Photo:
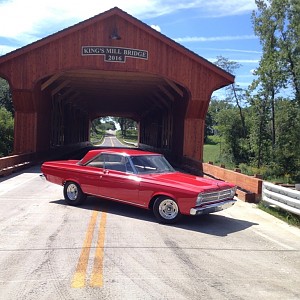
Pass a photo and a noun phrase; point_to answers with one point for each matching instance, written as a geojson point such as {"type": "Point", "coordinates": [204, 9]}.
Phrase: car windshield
{"type": "Point", "coordinates": [151, 164]}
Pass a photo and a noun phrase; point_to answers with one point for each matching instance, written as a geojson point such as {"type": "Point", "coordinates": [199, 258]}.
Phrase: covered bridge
{"type": "Point", "coordinates": [111, 65]}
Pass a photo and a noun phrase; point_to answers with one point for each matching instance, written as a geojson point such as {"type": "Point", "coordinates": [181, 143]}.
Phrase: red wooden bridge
{"type": "Point", "coordinates": [110, 65]}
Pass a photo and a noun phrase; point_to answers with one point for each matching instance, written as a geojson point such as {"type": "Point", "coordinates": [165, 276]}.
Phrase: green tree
{"type": "Point", "coordinates": [125, 125]}
{"type": "Point", "coordinates": [276, 23]}
{"type": "Point", "coordinates": [259, 131]}
{"type": "Point", "coordinates": [236, 95]}
{"type": "Point", "coordinates": [234, 144]}
{"type": "Point", "coordinates": [6, 132]}
{"type": "Point", "coordinates": [214, 108]}
{"type": "Point", "coordinates": [267, 21]}
{"type": "Point", "coordinates": [287, 154]}
{"type": "Point", "coordinates": [5, 96]}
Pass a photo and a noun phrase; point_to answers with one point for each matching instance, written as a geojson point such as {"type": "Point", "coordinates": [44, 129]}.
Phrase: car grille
{"type": "Point", "coordinates": [216, 196]}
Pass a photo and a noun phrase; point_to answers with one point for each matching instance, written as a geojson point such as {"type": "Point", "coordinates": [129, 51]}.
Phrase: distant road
{"type": "Point", "coordinates": [111, 141]}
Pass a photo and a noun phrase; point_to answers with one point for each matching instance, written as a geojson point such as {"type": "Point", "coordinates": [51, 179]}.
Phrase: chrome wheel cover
{"type": "Point", "coordinates": [72, 192]}
{"type": "Point", "coordinates": [168, 209]}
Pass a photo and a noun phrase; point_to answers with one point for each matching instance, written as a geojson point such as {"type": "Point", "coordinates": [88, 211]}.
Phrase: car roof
{"type": "Point", "coordinates": [124, 151]}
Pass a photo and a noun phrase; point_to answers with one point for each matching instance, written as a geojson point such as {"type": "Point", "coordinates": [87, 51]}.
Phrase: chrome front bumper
{"type": "Point", "coordinates": [43, 177]}
{"type": "Point", "coordinates": [211, 208]}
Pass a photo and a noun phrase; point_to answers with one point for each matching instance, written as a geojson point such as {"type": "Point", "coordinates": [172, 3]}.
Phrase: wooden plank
{"type": "Point", "coordinates": [162, 100]}
{"type": "Point", "coordinates": [50, 81]}
{"type": "Point", "coordinates": [60, 87]}
{"type": "Point", "coordinates": [174, 87]}
{"type": "Point", "coordinates": [165, 91]}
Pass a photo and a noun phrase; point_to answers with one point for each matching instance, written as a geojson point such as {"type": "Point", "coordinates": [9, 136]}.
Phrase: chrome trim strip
{"type": "Point", "coordinates": [122, 201]}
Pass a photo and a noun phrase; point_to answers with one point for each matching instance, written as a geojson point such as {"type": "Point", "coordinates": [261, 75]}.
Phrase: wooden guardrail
{"type": "Point", "coordinates": [13, 163]}
{"type": "Point", "coordinates": [249, 187]}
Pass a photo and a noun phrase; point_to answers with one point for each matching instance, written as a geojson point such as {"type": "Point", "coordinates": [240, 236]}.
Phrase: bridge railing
{"type": "Point", "coordinates": [14, 163]}
{"type": "Point", "coordinates": [283, 197]}
{"type": "Point", "coordinates": [249, 187]}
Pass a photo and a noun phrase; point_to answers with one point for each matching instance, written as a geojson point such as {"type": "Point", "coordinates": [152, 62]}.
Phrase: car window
{"type": "Point", "coordinates": [114, 162]}
{"type": "Point", "coordinates": [97, 162]}
{"type": "Point", "coordinates": [129, 168]}
{"type": "Point", "coordinates": [151, 164]}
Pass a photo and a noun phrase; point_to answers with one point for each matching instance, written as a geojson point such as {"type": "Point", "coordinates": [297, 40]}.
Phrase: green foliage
{"type": "Point", "coordinates": [125, 125]}
{"type": "Point", "coordinates": [286, 150]}
{"type": "Point", "coordinates": [131, 136]}
{"type": "Point", "coordinates": [6, 132]}
{"type": "Point", "coordinates": [230, 128]}
{"type": "Point", "coordinates": [5, 96]}
{"type": "Point", "coordinates": [276, 23]}
{"type": "Point", "coordinates": [6, 119]}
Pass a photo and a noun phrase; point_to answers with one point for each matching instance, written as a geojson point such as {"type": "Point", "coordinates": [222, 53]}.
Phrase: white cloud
{"type": "Point", "coordinates": [156, 27]}
{"type": "Point", "coordinates": [191, 39]}
{"type": "Point", "coordinates": [247, 61]}
{"type": "Point", "coordinates": [230, 50]}
{"type": "Point", "coordinates": [219, 8]}
{"type": "Point", "coordinates": [5, 49]}
{"type": "Point", "coordinates": [30, 19]}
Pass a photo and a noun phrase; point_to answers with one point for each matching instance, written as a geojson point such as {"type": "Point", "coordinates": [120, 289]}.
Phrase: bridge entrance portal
{"type": "Point", "coordinates": [111, 65]}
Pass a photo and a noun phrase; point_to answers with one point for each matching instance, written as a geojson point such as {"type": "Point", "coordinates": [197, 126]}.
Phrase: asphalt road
{"type": "Point", "coordinates": [106, 250]}
{"type": "Point", "coordinates": [112, 141]}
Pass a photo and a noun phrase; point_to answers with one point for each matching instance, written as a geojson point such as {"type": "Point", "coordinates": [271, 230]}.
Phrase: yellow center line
{"type": "Point", "coordinates": [80, 273]}
{"type": "Point", "coordinates": [97, 274]}
{"type": "Point", "coordinates": [112, 143]}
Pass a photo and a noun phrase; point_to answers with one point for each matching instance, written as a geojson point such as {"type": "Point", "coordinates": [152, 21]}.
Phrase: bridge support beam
{"type": "Point", "coordinates": [29, 122]}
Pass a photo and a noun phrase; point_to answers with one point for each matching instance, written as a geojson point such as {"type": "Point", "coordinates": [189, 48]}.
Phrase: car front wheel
{"type": "Point", "coordinates": [73, 193]}
{"type": "Point", "coordinates": [166, 210]}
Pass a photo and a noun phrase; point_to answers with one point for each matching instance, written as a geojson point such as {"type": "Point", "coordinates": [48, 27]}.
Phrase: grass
{"type": "Point", "coordinates": [281, 214]}
{"type": "Point", "coordinates": [211, 153]}
{"type": "Point", "coordinates": [96, 138]}
{"type": "Point", "coordinates": [211, 149]}
{"type": "Point", "coordinates": [131, 137]}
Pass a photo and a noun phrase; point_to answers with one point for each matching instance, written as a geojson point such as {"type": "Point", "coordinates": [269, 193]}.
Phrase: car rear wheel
{"type": "Point", "coordinates": [73, 193]}
{"type": "Point", "coordinates": [166, 210]}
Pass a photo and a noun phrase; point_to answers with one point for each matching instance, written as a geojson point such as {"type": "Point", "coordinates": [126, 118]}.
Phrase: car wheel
{"type": "Point", "coordinates": [166, 210]}
{"type": "Point", "coordinates": [73, 193]}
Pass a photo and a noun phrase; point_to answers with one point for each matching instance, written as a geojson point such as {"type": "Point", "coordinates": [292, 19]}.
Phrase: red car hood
{"type": "Point", "coordinates": [188, 181]}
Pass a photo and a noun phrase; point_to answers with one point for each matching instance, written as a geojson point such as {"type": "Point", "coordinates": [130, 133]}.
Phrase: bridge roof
{"type": "Point", "coordinates": [122, 14]}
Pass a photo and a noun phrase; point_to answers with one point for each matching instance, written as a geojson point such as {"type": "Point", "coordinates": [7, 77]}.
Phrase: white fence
{"type": "Point", "coordinates": [285, 198]}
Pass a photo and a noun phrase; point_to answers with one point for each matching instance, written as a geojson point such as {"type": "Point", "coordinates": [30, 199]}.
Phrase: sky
{"type": "Point", "coordinates": [210, 28]}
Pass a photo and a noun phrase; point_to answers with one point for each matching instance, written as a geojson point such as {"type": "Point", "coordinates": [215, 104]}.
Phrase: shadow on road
{"type": "Point", "coordinates": [212, 224]}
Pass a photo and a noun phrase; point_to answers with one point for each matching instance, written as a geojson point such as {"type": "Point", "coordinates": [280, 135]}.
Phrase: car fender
{"type": "Point", "coordinates": [160, 194]}
{"type": "Point", "coordinates": [71, 179]}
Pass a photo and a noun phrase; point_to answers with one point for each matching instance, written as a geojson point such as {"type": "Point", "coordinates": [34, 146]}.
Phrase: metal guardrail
{"type": "Point", "coordinates": [285, 198]}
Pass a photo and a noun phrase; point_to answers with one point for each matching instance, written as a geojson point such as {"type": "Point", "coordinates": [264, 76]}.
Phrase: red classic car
{"type": "Point", "coordinates": [139, 178]}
